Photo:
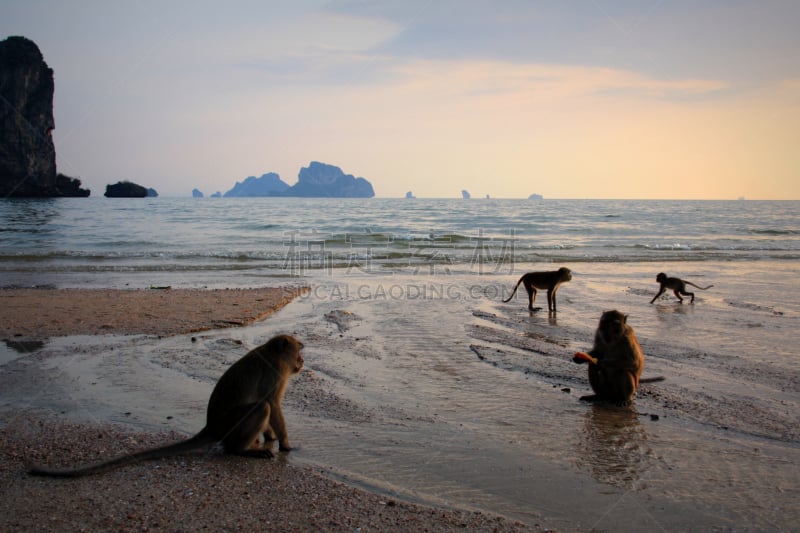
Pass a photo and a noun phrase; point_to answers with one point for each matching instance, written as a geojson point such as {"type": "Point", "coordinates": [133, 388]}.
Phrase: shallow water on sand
{"type": "Point", "coordinates": [475, 401]}
{"type": "Point", "coordinates": [429, 387]}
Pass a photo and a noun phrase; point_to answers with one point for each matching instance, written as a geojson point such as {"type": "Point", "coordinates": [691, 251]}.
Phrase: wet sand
{"type": "Point", "coordinates": [204, 490]}
{"type": "Point", "coordinates": [459, 401]}
{"type": "Point", "coordinates": [457, 394]}
{"type": "Point", "coordinates": [155, 311]}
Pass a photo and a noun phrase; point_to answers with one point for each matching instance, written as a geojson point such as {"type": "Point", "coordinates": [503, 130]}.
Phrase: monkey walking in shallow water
{"type": "Point", "coordinates": [244, 408]}
{"type": "Point", "coordinates": [549, 281]}
{"type": "Point", "coordinates": [677, 285]}
{"type": "Point", "coordinates": [615, 362]}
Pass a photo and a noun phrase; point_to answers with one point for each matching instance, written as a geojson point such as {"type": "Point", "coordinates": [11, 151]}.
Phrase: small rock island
{"type": "Point", "coordinates": [127, 189]}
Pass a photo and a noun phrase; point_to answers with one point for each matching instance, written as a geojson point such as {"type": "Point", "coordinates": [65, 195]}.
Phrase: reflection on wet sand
{"type": "Point", "coordinates": [614, 447]}
{"type": "Point", "coordinates": [24, 346]}
{"type": "Point", "coordinates": [12, 349]}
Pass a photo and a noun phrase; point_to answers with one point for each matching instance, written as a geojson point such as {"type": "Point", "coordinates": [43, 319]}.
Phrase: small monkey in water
{"type": "Point", "coordinates": [549, 281]}
{"type": "Point", "coordinates": [615, 362]}
{"type": "Point", "coordinates": [244, 406]}
{"type": "Point", "coordinates": [677, 285]}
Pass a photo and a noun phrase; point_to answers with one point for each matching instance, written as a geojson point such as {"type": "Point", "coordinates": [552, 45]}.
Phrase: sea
{"type": "Point", "coordinates": [437, 390]}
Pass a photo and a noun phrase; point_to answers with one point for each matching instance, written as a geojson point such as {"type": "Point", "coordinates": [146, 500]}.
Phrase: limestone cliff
{"type": "Point", "coordinates": [321, 180]}
{"type": "Point", "coordinates": [27, 154]}
{"type": "Point", "coordinates": [318, 180]}
{"type": "Point", "coordinates": [269, 184]}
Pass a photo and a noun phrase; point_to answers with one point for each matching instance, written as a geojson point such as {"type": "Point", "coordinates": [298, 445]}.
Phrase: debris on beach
{"type": "Point", "coordinates": [342, 319]}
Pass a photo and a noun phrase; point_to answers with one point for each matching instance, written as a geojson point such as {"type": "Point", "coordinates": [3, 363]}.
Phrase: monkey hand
{"type": "Point", "coordinates": [583, 357]}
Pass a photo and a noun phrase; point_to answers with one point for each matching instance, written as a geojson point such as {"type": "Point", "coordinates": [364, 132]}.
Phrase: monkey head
{"type": "Point", "coordinates": [564, 274]}
{"type": "Point", "coordinates": [612, 327]}
{"type": "Point", "coordinates": [287, 348]}
{"type": "Point", "coordinates": [661, 277]}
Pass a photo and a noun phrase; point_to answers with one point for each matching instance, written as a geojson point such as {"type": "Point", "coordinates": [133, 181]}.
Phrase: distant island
{"type": "Point", "coordinates": [317, 180]}
{"type": "Point", "coordinates": [465, 194]}
{"type": "Point", "coordinates": [269, 184]}
{"type": "Point", "coordinates": [535, 196]}
{"type": "Point", "coordinates": [127, 189]}
{"type": "Point", "coordinates": [410, 195]}
{"type": "Point", "coordinates": [197, 193]}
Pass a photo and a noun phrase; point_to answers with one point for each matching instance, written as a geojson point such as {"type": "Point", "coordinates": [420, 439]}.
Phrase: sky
{"type": "Point", "coordinates": [670, 99]}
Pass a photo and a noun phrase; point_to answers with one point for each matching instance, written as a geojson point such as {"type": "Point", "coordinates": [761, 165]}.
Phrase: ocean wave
{"type": "Point", "coordinates": [282, 264]}
{"type": "Point", "coordinates": [174, 234]}
{"type": "Point", "coordinates": [775, 232]}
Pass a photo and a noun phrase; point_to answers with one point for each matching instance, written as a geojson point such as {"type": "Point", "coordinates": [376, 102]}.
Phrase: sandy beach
{"type": "Point", "coordinates": [412, 413]}
{"type": "Point", "coordinates": [155, 311]}
{"type": "Point", "coordinates": [201, 491]}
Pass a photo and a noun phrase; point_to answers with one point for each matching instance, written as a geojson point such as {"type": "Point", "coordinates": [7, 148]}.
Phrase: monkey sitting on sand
{"type": "Point", "coordinates": [615, 362]}
{"type": "Point", "coordinates": [244, 406]}
{"type": "Point", "coordinates": [677, 285]}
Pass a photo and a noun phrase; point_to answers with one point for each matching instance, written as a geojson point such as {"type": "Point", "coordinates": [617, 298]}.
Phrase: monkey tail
{"type": "Point", "coordinates": [203, 438]}
{"type": "Point", "coordinates": [515, 290]}
{"type": "Point", "coordinates": [652, 380]}
{"type": "Point", "coordinates": [698, 286]}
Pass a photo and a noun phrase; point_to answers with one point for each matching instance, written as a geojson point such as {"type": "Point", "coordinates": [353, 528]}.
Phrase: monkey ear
{"type": "Point", "coordinates": [278, 343]}
{"type": "Point", "coordinates": [624, 319]}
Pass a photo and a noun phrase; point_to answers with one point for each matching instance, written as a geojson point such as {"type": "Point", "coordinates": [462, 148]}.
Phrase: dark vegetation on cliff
{"type": "Point", "coordinates": [67, 186]}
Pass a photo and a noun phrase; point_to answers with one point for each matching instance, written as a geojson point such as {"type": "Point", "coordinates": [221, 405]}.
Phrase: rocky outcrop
{"type": "Point", "coordinates": [152, 193]}
{"type": "Point", "coordinates": [196, 193]}
{"type": "Point", "coordinates": [67, 186]}
{"type": "Point", "coordinates": [319, 180]}
{"type": "Point", "coordinates": [269, 184]}
{"type": "Point", "coordinates": [27, 153]}
{"type": "Point", "coordinates": [125, 189]}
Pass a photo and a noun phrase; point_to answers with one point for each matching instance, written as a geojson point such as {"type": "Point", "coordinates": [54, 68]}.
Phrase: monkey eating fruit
{"type": "Point", "coordinates": [244, 408]}
{"type": "Point", "coordinates": [615, 362]}
{"type": "Point", "coordinates": [586, 357]}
